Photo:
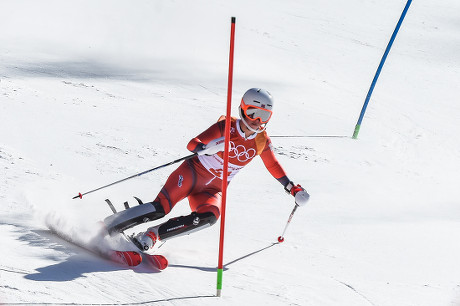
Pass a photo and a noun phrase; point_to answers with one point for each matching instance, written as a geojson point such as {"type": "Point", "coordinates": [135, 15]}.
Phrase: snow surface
{"type": "Point", "coordinates": [95, 91]}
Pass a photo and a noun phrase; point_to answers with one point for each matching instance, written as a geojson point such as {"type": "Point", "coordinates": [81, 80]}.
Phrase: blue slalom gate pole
{"type": "Point", "coordinates": [379, 69]}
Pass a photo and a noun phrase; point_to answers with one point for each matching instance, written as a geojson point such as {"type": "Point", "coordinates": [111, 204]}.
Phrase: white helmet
{"type": "Point", "coordinates": [256, 104]}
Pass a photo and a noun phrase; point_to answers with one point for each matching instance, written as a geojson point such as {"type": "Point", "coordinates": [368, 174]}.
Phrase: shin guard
{"type": "Point", "coordinates": [134, 216]}
{"type": "Point", "coordinates": [186, 224]}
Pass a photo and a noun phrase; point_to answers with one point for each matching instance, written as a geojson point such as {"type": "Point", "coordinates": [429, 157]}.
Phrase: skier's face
{"type": "Point", "coordinates": [255, 124]}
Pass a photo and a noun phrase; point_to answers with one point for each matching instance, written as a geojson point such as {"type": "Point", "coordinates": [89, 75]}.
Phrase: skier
{"type": "Point", "coordinates": [200, 178]}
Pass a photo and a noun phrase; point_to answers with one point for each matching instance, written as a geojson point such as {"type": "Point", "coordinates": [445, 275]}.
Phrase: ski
{"type": "Point", "coordinates": [125, 258]}
{"type": "Point", "coordinates": [157, 261]}
{"type": "Point", "coordinates": [129, 258]}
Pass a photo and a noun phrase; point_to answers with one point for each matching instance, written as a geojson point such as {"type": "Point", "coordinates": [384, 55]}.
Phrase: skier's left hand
{"type": "Point", "coordinates": [214, 146]}
{"type": "Point", "coordinates": [301, 196]}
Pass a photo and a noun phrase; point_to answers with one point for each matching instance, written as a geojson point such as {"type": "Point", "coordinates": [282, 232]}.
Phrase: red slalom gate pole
{"type": "Point", "coordinates": [220, 268]}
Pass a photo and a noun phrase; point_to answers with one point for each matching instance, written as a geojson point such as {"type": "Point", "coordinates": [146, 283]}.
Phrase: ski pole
{"type": "Point", "coordinates": [80, 195]}
{"type": "Point", "coordinates": [281, 238]}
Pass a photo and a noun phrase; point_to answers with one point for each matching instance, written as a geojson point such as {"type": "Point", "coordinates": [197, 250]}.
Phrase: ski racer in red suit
{"type": "Point", "coordinates": [199, 179]}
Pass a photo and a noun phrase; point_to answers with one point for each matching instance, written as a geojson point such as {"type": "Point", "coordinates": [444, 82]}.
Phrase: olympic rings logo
{"type": "Point", "coordinates": [241, 153]}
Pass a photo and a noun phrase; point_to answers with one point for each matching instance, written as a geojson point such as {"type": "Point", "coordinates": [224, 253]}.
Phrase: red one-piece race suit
{"type": "Point", "coordinates": [200, 178]}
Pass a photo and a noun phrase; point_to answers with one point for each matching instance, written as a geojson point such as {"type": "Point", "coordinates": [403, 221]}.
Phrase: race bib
{"type": "Point", "coordinates": [215, 165]}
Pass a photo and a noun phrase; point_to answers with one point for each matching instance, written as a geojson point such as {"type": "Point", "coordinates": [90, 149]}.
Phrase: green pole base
{"type": "Point", "coordinates": [220, 273]}
{"type": "Point", "coordinates": [356, 132]}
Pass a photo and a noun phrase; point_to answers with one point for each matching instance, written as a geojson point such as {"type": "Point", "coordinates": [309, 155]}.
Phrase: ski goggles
{"type": "Point", "coordinates": [255, 112]}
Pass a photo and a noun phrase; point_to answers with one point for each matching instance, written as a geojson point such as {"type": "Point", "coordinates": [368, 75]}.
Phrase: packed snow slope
{"type": "Point", "coordinates": [95, 91]}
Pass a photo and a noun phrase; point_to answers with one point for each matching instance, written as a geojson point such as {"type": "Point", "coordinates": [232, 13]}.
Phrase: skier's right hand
{"type": "Point", "coordinates": [214, 146]}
